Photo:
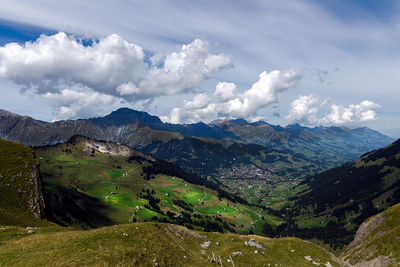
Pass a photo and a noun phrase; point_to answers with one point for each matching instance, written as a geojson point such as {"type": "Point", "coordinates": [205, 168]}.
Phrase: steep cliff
{"type": "Point", "coordinates": [21, 199]}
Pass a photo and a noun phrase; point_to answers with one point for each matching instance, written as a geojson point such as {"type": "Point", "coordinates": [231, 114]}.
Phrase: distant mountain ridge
{"type": "Point", "coordinates": [263, 133]}
{"type": "Point", "coordinates": [116, 127]}
{"type": "Point", "coordinates": [125, 116]}
{"type": "Point", "coordinates": [335, 144]}
{"type": "Point", "coordinates": [121, 125]}
{"type": "Point", "coordinates": [238, 129]}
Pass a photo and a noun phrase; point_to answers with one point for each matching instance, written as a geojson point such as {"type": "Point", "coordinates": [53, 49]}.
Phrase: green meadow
{"type": "Point", "coordinates": [120, 187]}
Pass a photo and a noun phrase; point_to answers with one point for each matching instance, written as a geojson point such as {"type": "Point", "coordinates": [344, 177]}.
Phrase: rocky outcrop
{"type": "Point", "coordinates": [35, 199]}
{"type": "Point", "coordinates": [368, 227]}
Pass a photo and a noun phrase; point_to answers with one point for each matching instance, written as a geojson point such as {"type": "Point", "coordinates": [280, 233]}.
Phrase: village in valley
{"type": "Point", "coordinates": [254, 183]}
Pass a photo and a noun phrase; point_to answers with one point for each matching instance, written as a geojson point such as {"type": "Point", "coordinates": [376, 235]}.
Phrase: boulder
{"type": "Point", "coordinates": [237, 253]}
{"type": "Point", "coordinates": [206, 245]}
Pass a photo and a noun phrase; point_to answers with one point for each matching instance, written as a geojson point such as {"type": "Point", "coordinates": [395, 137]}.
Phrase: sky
{"type": "Point", "coordinates": [333, 62]}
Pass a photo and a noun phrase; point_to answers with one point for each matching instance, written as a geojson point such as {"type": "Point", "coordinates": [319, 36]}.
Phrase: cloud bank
{"type": "Point", "coordinates": [63, 66]}
{"type": "Point", "coordinates": [228, 102]}
{"type": "Point", "coordinates": [54, 62]}
{"type": "Point", "coordinates": [82, 78]}
{"type": "Point", "coordinates": [306, 108]}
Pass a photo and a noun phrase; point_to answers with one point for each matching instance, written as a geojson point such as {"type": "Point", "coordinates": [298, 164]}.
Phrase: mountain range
{"type": "Point", "coordinates": [120, 124]}
{"type": "Point", "coordinates": [232, 152]}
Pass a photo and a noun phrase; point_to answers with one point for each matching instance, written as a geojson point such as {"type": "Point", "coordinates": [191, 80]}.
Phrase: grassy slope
{"type": "Point", "coordinates": [380, 239]}
{"type": "Point", "coordinates": [18, 172]}
{"type": "Point", "coordinates": [334, 203]}
{"type": "Point", "coordinates": [149, 243]}
{"type": "Point", "coordinates": [94, 176]}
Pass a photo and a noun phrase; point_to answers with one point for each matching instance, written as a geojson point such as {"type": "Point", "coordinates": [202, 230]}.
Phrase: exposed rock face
{"type": "Point", "coordinates": [104, 147]}
{"type": "Point", "coordinates": [35, 199]}
{"type": "Point", "coordinates": [21, 195]}
{"type": "Point", "coordinates": [363, 231]}
{"type": "Point", "coordinates": [368, 227]}
{"type": "Point", "coordinates": [376, 242]}
{"type": "Point", "coordinates": [252, 243]}
{"type": "Point", "coordinates": [205, 244]}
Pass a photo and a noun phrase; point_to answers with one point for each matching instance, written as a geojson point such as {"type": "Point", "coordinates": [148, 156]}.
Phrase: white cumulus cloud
{"type": "Point", "coordinates": [127, 89]}
{"type": "Point", "coordinates": [184, 70]}
{"type": "Point", "coordinates": [305, 110]}
{"type": "Point", "coordinates": [225, 91]}
{"type": "Point", "coordinates": [199, 101]}
{"type": "Point", "coordinates": [227, 102]}
{"type": "Point", "coordinates": [74, 104]}
{"type": "Point", "coordinates": [113, 67]}
{"type": "Point", "coordinates": [365, 111]}
{"type": "Point", "coordinates": [54, 62]}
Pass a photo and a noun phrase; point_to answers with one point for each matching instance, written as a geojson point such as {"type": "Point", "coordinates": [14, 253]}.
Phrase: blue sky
{"type": "Point", "coordinates": [332, 55]}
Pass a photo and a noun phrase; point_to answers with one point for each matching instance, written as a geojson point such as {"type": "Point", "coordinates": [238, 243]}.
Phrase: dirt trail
{"type": "Point", "coordinates": [201, 200]}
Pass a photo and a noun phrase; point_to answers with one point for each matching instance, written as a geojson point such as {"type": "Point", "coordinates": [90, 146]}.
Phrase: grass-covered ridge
{"type": "Point", "coordinates": [21, 200]}
{"type": "Point", "coordinates": [155, 244]}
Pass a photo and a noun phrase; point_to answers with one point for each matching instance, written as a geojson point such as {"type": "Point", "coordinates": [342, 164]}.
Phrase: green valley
{"type": "Point", "coordinates": [90, 184]}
